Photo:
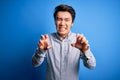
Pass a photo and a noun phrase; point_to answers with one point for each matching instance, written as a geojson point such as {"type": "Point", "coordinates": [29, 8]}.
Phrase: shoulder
{"type": "Point", "coordinates": [52, 35]}
{"type": "Point", "coordinates": [72, 35]}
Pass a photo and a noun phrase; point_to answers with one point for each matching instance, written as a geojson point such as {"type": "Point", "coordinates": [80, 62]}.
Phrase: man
{"type": "Point", "coordinates": [63, 49]}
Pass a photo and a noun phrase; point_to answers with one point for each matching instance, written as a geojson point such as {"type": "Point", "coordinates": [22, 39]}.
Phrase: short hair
{"type": "Point", "coordinates": [64, 8]}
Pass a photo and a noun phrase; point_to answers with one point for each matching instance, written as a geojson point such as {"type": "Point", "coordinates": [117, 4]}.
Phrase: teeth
{"type": "Point", "coordinates": [62, 29]}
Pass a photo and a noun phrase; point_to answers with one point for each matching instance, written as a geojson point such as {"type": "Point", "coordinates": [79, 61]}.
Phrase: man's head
{"type": "Point", "coordinates": [64, 16]}
{"type": "Point", "coordinates": [65, 8]}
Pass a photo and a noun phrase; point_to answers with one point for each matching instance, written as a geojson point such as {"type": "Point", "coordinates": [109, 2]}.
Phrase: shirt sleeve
{"type": "Point", "coordinates": [38, 57]}
{"type": "Point", "coordinates": [88, 59]}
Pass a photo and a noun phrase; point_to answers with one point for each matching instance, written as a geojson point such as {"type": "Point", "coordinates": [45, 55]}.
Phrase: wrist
{"type": "Point", "coordinates": [84, 49]}
{"type": "Point", "coordinates": [41, 50]}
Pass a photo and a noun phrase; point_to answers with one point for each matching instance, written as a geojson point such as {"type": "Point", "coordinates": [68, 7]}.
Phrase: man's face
{"type": "Point", "coordinates": [63, 23]}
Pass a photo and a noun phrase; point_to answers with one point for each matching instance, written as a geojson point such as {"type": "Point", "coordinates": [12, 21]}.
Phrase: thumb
{"type": "Point", "coordinates": [49, 46]}
{"type": "Point", "coordinates": [73, 44]}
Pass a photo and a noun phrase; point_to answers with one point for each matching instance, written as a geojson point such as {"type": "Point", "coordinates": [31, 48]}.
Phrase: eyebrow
{"type": "Point", "coordinates": [61, 18]}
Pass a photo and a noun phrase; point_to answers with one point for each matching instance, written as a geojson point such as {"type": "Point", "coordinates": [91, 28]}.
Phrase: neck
{"type": "Point", "coordinates": [62, 37]}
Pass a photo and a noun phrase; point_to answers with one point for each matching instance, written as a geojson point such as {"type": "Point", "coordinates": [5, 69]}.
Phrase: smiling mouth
{"type": "Point", "coordinates": [62, 29]}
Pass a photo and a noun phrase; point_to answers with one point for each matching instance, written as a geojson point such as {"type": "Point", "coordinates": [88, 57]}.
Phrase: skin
{"type": "Point", "coordinates": [63, 24]}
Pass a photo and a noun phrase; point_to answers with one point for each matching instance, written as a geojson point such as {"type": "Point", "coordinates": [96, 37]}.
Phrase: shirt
{"type": "Point", "coordinates": [62, 59]}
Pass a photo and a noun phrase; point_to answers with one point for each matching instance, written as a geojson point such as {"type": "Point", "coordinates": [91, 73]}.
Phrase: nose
{"type": "Point", "coordinates": [62, 23]}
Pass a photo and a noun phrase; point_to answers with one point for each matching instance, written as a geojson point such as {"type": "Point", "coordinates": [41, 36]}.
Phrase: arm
{"type": "Point", "coordinates": [38, 57]}
{"type": "Point", "coordinates": [40, 53]}
{"type": "Point", "coordinates": [86, 55]}
{"type": "Point", "coordinates": [88, 59]}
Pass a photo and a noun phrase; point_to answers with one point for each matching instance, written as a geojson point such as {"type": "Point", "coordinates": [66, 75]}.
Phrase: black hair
{"type": "Point", "coordinates": [65, 8]}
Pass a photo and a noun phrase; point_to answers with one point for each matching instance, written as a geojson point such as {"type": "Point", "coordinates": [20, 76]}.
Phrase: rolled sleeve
{"type": "Point", "coordinates": [38, 57]}
{"type": "Point", "coordinates": [88, 59]}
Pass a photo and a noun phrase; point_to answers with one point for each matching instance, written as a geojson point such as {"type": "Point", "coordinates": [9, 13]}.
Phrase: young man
{"type": "Point", "coordinates": [63, 49]}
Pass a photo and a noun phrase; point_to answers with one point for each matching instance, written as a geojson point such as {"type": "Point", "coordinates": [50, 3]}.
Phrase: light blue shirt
{"type": "Point", "coordinates": [62, 59]}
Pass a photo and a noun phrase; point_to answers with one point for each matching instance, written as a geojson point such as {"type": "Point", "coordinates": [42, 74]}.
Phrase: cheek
{"type": "Point", "coordinates": [57, 24]}
{"type": "Point", "coordinates": [69, 26]}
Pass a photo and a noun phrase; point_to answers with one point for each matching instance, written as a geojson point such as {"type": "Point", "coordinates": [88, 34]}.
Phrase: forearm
{"type": "Point", "coordinates": [88, 59]}
{"type": "Point", "coordinates": [38, 57]}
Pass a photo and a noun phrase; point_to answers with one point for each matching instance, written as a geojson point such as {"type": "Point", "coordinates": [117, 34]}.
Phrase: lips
{"type": "Point", "coordinates": [62, 29]}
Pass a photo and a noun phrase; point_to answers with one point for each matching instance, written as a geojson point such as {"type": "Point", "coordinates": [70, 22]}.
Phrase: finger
{"type": "Point", "coordinates": [46, 39]}
{"type": "Point", "coordinates": [79, 40]}
{"type": "Point", "coordinates": [73, 44]}
{"type": "Point", "coordinates": [79, 37]}
{"type": "Point", "coordinates": [41, 47]}
{"type": "Point", "coordinates": [86, 42]}
{"type": "Point", "coordinates": [46, 36]}
{"type": "Point", "coordinates": [49, 46]}
{"type": "Point", "coordinates": [83, 40]}
{"type": "Point", "coordinates": [41, 43]}
{"type": "Point", "coordinates": [42, 37]}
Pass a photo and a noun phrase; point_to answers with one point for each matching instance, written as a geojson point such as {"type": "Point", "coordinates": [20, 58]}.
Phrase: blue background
{"type": "Point", "coordinates": [23, 21]}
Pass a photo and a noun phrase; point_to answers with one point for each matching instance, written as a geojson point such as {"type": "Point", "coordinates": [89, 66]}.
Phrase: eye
{"type": "Point", "coordinates": [58, 19]}
{"type": "Point", "coordinates": [67, 20]}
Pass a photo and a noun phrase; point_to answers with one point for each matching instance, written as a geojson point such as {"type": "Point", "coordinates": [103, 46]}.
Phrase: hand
{"type": "Point", "coordinates": [43, 43]}
{"type": "Point", "coordinates": [81, 43]}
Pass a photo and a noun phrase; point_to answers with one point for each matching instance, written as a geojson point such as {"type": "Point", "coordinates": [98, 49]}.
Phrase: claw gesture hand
{"type": "Point", "coordinates": [43, 43]}
{"type": "Point", "coordinates": [81, 43]}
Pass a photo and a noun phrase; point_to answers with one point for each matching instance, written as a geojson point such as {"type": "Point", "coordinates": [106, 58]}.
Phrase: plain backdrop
{"type": "Point", "coordinates": [23, 21]}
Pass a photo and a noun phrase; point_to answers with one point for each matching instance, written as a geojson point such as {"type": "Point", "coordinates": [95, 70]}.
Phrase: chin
{"type": "Point", "coordinates": [61, 33]}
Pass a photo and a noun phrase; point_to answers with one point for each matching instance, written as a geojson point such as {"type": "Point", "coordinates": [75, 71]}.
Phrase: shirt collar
{"type": "Point", "coordinates": [67, 37]}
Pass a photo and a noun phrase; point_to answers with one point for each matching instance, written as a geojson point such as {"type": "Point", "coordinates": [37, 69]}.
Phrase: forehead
{"type": "Point", "coordinates": [62, 14]}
